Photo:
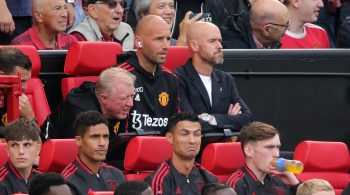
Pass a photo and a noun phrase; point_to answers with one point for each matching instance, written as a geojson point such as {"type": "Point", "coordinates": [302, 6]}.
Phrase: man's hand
{"type": "Point", "coordinates": [234, 109]}
{"type": "Point", "coordinates": [25, 109]}
{"type": "Point", "coordinates": [286, 177]}
{"type": "Point", "coordinates": [71, 15]}
{"type": "Point", "coordinates": [184, 26]}
{"type": "Point", "coordinates": [7, 25]}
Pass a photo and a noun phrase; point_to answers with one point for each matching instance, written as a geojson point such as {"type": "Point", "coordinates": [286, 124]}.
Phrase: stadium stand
{"type": "Point", "coordinates": [85, 61]}
{"type": "Point", "coordinates": [222, 159]}
{"type": "Point", "coordinates": [143, 155]}
{"type": "Point", "coordinates": [177, 56]}
{"type": "Point", "coordinates": [56, 154]}
{"type": "Point", "coordinates": [324, 160]}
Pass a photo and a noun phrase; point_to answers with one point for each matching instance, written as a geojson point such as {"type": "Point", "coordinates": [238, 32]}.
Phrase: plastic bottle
{"type": "Point", "coordinates": [292, 166]}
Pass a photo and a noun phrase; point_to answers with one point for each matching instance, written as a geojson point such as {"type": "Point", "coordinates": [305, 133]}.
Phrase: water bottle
{"type": "Point", "coordinates": [292, 166]}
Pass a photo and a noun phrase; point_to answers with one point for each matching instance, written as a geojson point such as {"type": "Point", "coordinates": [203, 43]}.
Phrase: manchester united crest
{"type": "Point", "coordinates": [163, 98]}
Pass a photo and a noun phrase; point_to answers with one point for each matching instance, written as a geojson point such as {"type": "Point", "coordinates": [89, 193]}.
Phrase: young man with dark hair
{"type": "Point", "coordinates": [133, 188]}
{"type": "Point", "coordinates": [49, 184]}
{"type": "Point", "coordinates": [14, 62]}
{"type": "Point", "coordinates": [180, 174]}
{"type": "Point", "coordinates": [217, 189]}
{"type": "Point", "coordinates": [260, 144]}
{"type": "Point", "coordinates": [23, 147]}
{"type": "Point", "coordinates": [88, 173]}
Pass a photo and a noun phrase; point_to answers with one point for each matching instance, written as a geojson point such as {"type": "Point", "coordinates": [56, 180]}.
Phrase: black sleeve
{"type": "Point", "coordinates": [1, 131]}
{"type": "Point", "coordinates": [131, 19]}
{"type": "Point", "coordinates": [346, 190]}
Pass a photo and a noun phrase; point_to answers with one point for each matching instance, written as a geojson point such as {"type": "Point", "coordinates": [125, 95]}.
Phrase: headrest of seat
{"type": "Point", "coordinates": [177, 56]}
{"type": "Point", "coordinates": [145, 153]}
{"type": "Point", "coordinates": [323, 156]}
{"type": "Point", "coordinates": [91, 58]}
{"type": "Point", "coordinates": [3, 154]}
{"type": "Point", "coordinates": [33, 55]}
{"type": "Point", "coordinates": [223, 158]}
{"type": "Point", "coordinates": [56, 154]}
{"type": "Point", "coordinates": [101, 193]}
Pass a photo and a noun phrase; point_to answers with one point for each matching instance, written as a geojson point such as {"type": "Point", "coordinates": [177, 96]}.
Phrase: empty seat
{"type": "Point", "coordinates": [143, 155]}
{"type": "Point", "coordinates": [324, 160]}
{"type": "Point", "coordinates": [86, 60]}
{"type": "Point", "coordinates": [177, 56]}
{"type": "Point", "coordinates": [3, 154]}
{"type": "Point", "coordinates": [222, 159]}
{"type": "Point", "coordinates": [56, 154]}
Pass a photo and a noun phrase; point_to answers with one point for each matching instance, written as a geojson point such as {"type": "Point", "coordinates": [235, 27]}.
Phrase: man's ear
{"type": "Point", "coordinates": [91, 9]}
{"type": "Point", "coordinates": [138, 42]}
{"type": "Point", "coordinates": [39, 148]}
{"type": "Point", "coordinates": [295, 3]}
{"type": "Point", "coordinates": [37, 16]}
{"type": "Point", "coordinates": [248, 150]}
{"type": "Point", "coordinates": [169, 137]}
{"type": "Point", "coordinates": [103, 99]}
{"type": "Point", "coordinates": [78, 141]}
{"type": "Point", "coordinates": [265, 30]}
{"type": "Point", "coordinates": [193, 45]}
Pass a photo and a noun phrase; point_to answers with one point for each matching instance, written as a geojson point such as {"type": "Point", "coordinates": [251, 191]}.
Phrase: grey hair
{"type": "Point", "coordinates": [111, 77]}
{"type": "Point", "coordinates": [141, 7]}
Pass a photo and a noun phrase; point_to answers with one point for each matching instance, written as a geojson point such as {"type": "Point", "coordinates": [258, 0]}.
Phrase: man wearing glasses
{"type": "Point", "coordinates": [180, 174]}
{"type": "Point", "coordinates": [104, 23]}
{"type": "Point", "coordinates": [261, 28]}
{"type": "Point", "coordinates": [301, 33]}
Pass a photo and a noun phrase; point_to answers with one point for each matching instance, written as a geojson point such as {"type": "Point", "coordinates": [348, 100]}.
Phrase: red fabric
{"type": "Point", "coordinates": [73, 82]}
{"type": "Point", "coordinates": [38, 100]}
{"type": "Point", "coordinates": [143, 155]}
{"type": "Point", "coordinates": [222, 159]}
{"type": "Point", "coordinates": [3, 154]}
{"type": "Point", "coordinates": [56, 154]}
{"type": "Point", "coordinates": [101, 193]}
{"type": "Point", "coordinates": [177, 56]}
{"type": "Point", "coordinates": [31, 37]}
{"type": "Point", "coordinates": [91, 58]}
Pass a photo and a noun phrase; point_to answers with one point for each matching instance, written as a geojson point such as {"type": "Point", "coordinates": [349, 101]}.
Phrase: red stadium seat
{"type": "Point", "coordinates": [56, 154]}
{"type": "Point", "coordinates": [101, 193]}
{"type": "Point", "coordinates": [324, 160]}
{"type": "Point", "coordinates": [86, 60]}
{"type": "Point", "coordinates": [222, 159]}
{"type": "Point", "coordinates": [3, 154]}
{"type": "Point", "coordinates": [177, 56]}
{"type": "Point", "coordinates": [143, 155]}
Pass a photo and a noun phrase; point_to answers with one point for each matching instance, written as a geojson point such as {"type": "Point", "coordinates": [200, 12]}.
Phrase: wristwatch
{"type": "Point", "coordinates": [205, 117]}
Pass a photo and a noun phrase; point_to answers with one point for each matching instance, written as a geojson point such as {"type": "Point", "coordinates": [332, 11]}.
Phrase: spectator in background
{"type": "Point", "coordinates": [49, 184]}
{"type": "Point", "coordinates": [133, 188]}
{"type": "Point", "coordinates": [217, 189]}
{"type": "Point", "coordinates": [166, 10]}
{"type": "Point", "coordinates": [87, 173]}
{"type": "Point", "coordinates": [180, 174]}
{"type": "Point", "coordinates": [301, 33]}
{"type": "Point", "coordinates": [205, 90]}
{"type": "Point", "coordinates": [315, 187]}
{"type": "Point", "coordinates": [104, 23]}
{"type": "Point", "coordinates": [260, 144]}
{"type": "Point", "coordinates": [49, 24]}
{"type": "Point", "coordinates": [262, 28]}
{"type": "Point", "coordinates": [156, 87]}
{"type": "Point", "coordinates": [23, 147]}
{"type": "Point", "coordinates": [343, 40]}
{"type": "Point", "coordinates": [14, 62]}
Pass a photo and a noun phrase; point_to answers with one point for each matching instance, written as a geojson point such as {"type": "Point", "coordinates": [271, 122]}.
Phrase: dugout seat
{"type": "Point", "coordinates": [222, 159]}
{"type": "Point", "coordinates": [143, 155]}
{"type": "Point", "coordinates": [101, 193]}
{"type": "Point", "coordinates": [3, 154]}
{"type": "Point", "coordinates": [177, 56]}
{"type": "Point", "coordinates": [86, 60]}
{"type": "Point", "coordinates": [324, 160]}
{"type": "Point", "coordinates": [56, 154]}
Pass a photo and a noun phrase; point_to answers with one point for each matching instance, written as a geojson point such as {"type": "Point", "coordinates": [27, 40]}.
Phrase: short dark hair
{"type": "Point", "coordinates": [211, 188]}
{"type": "Point", "coordinates": [131, 188]}
{"type": "Point", "coordinates": [257, 131]}
{"type": "Point", "coordinates": [87, 119]}
{"type": "Point", "coordinates": [22, 129]}
{"type": "Point", "coordinates": [181, 116]}
{"type": "Point", "coordinates": [10, 58]}
{"type": "Point", "coordinates": [40, 185]}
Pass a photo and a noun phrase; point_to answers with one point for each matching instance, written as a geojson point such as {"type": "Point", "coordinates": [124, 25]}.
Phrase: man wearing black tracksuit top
{"type": "Point", "coordinates": [156, 96]}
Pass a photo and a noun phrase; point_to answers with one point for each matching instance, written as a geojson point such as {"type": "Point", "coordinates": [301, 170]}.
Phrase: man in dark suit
{"type": "Point", "coordinates": [209, 92]}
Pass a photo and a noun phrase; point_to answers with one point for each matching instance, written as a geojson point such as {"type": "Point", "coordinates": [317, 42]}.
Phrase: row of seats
{"type": "Point", "coordinates": [324, 160]}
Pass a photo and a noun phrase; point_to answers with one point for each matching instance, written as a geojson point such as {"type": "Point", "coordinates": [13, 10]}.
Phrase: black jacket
{"type": "Point", "coordinates": [344, 34]}
{"type": "Point", "coordinates": [156, 97]}
{"type": "Point", "coordinates": [194, 97]}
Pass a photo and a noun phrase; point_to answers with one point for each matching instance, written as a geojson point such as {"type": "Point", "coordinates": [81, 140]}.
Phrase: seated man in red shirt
{"type": "Point", "coordinates": [87, 173]}
{"type": "Point", "coordinates": [49, 24]}
{"type": "Point", "coordinates": [23, 147]}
